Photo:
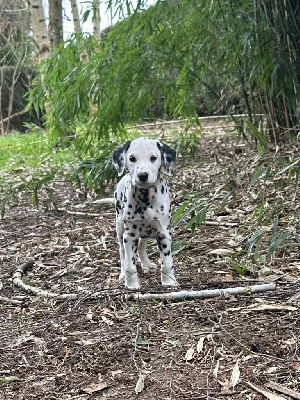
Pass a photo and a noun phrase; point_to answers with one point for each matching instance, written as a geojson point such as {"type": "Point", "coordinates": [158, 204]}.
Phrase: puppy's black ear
{"type": "Point", "coordinates": [119, 157]}
{"type": "Point", "coordinates": [168, 156]}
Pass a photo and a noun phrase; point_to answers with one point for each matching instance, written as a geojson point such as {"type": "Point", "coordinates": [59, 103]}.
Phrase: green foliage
{"type": "Point", "coordinates": [98, 172]}
{"type": "Point", "coordinates": [29, 163]}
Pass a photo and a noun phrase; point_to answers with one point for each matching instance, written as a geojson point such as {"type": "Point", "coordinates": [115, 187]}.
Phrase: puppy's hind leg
{"type": "Point", "coordinates": [120, 233]}
{"type": "Point", "coordinates": [146, 264]}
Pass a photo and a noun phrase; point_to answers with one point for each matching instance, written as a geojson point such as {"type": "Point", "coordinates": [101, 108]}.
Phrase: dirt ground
{"type": "Point", "coordinates": [243, 347]}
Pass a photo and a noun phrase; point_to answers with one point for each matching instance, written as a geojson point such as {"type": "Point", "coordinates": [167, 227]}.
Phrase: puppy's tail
{"type": "Point", "coordinates": [108, 200]}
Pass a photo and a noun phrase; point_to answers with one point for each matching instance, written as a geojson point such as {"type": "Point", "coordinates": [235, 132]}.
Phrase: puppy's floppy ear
{"type": "Point", "coordinates": [168, 156]}
{"type": "Point", "coordinates": [119, 157]}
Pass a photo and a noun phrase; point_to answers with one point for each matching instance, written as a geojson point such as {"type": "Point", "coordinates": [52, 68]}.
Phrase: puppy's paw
{"type": "Point", "coordinates": [148, 267]}
{"type": "Point", "coordinates": [169, 280]}
{"type": "Point", "coordinates": [132, 282]}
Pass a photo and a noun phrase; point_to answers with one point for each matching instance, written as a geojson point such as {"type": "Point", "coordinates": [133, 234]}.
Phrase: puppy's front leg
{"type": "Point", "coordinates": [130, 246]}
{"type": "Point", "coordinates": [164, 241]}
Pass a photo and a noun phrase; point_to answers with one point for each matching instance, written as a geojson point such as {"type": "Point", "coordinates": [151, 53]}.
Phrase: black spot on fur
{"type": "Point", "coordinates": [162, 189]}
{"type": "Point", "coordinates": [165, 246]}
{"type": "Point", "coordinates": [144, 195]}
{"type": "Point", "coordinates": [134, 226]}
{"type": "Point", "coordinates": [132, 234]}
{"type": "Point", "coordinates": [130, 205]}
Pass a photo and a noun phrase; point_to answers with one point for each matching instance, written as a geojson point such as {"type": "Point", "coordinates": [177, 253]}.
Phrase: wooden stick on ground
{"type": "Point", "coordinates": [283, 389]}
{"type": "Point", "coordinates": [204, 294]}
{"type": "Point", "coordinates": [183, 294]}
{"type": "Point", "coordinates": [7, 300]}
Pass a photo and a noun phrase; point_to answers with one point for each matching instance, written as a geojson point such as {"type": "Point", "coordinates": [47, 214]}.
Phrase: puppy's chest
{"type": "Point", "coordinates": [146, 205]}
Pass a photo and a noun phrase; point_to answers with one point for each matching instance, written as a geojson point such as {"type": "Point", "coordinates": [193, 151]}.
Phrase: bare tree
{"type": "Point", "coordinates": [55, 29]}
{"type": "Point", "coordinates": [15, 61]}
{"type": "Point", "coordinates": [96, 19]}
{"type": "Point", "coordinates": [39, 29]}
{"type": "Point", "coordinates": [75, 13]}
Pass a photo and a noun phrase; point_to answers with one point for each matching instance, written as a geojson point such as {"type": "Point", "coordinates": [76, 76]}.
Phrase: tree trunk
{"type": "Point", "coordinates": [55, 23]}
{"type": "Point", "coordinates": [75, 13]}
{"type": "Point", "coordinates": [39, 30]}
{"type": "Point", "coordinates": [96, 19]}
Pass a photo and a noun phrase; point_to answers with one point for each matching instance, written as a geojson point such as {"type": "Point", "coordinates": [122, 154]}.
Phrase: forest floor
{"type": "Point", "coordinates": [242, 347]}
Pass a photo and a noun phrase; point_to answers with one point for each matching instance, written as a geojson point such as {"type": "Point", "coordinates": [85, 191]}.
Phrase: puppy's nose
{"type": "Point", "coordinates": [143, 177]}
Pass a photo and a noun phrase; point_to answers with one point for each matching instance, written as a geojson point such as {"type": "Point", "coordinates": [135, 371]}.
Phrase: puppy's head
{"type": "Point", "coordinates": [143, 157]}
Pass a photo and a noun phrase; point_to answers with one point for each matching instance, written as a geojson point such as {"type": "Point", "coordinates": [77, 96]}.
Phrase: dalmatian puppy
{"type": "Point", "coordinates": [143, 208]}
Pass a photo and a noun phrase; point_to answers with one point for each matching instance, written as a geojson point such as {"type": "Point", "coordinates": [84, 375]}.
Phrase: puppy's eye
{"type": "Point", "coordinates": [153, 158]}
{"type": "Point", "coordinates": [132, 159]}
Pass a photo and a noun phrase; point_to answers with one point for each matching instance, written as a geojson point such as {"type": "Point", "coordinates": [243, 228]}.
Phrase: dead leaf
{"type": "Point", "coordinates": [216, 370]}
{"type": "Point", "coordinates": [235, 375]}
{"type": "Point", "coordinates": [226, 278]}
{"type": "Point", "coordinates": [115, 373]}
{"type": "Point", "coordinates": [264, 307]}
{"type": "Point", "coordinates": [107, 320]}
{"type": "Point", "coordinates": [200, 344]}
{"type": "Point", "coordinates": [174, 342]}
{"type": "Point", "coordinates": [89, 315]}
{"type": "Point", "coordinates": [271, 370]}
{"type": "Point", "coordinates": [95, 387]}
{"type": "Point", "coordinates": [296, 366]}
{"type": "Point", "coordinates": [222, 252]}
{"type": "Point", "coordinates": [272, 307]}
{"type": "Point", "coordinates": [139, 387]}
{"type": "Point", "coordinates": [189, 354]}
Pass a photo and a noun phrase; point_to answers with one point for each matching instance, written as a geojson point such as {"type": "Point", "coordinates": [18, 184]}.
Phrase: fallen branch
{"type": "Point", "coordinates": [204, 294]}
{"type": "Point", "coordinates": [79, 213]}
{"type": "Point", "coordinates": [220, 223]}
{"type": "Point", "coordinates": [269, 395]}
{"type": "Point", "coordinates": [284, 390]}
{"type": "Point", "coordinates": [295, 297]}
{"type": "Point", "coordinates": [7, 300]}
{"type": "Point", "coordinates": [17, 280]}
